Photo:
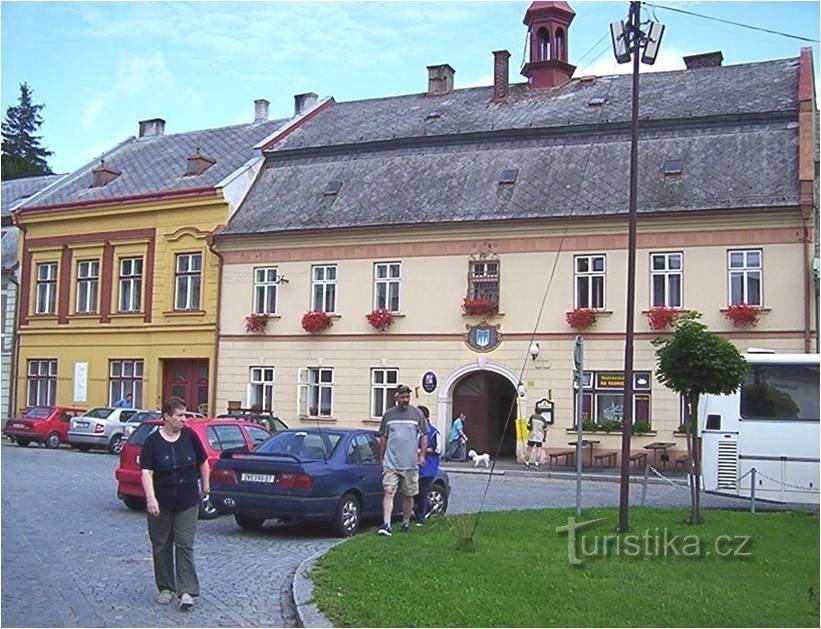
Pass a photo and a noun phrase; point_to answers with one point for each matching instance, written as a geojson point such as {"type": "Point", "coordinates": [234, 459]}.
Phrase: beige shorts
{"type": "Point", "coordinates": [407, 480]}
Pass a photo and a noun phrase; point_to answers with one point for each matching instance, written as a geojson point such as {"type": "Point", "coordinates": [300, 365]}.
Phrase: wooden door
{"type": "Point", "coordinates": [187, 379]}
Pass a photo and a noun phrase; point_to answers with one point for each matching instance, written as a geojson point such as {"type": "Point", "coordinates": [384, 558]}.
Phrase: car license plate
{"type": "Point", "coordinates": [82, 424]}
{"type": "Point", "coordinates": [258, 478]}
{"type": "Point", "coordinates": [18, 425]}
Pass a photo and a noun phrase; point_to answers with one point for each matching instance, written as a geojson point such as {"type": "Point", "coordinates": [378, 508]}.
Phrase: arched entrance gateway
{"type": "Point", "coordinates": [485, 394]}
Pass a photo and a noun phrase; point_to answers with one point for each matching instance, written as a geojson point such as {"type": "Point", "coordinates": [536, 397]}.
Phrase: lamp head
{"type": "Point", "coordinates": [534, 350]}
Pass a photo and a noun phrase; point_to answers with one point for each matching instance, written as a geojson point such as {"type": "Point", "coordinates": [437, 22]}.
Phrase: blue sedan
{"type": "Point", "coordinates": [313, 474]}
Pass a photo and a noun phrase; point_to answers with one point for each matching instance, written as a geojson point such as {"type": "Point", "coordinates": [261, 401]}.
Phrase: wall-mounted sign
{"type": "Point", "coordinates": [544, 407]}
{"type": "Point", "coordinates": [80, 382]}
{"type": "Point", "coordinates": [612, 380]}
{"type": "Point", "coordinates": [429, 382]}
{"type": "Point", "coordinates": [483, 337]}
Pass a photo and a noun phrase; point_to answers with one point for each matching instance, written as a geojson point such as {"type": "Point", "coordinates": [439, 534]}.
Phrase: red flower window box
{"type": "Point", "coordinates": [255, 322]}
{"type": "Point", "coordinates": [742, 314]}
{"type": "Point", "coordinates": [380, 318]}
{"type": "Point", "coordinates": [481, 306]}
{"type": "Point", "coordinates": [581, 318]}
{"type": "Point", "coordinates": [661, 317]}
{"type": "Point", "coordinates": [314, 321]}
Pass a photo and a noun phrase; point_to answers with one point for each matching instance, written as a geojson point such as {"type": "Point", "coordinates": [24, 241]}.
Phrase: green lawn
{"type": "Point", "coordinates": [517, 573]}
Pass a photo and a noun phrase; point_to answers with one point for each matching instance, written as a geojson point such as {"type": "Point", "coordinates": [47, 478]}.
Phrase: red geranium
{"type": "Point", "coordinates": [743, 314]}
{"type": "Point", "coordinates": [481, 306]}
{"type": "Point", "coordinates": [661, 317]}
{"type": "Point", "coordinates": [380, 318]}
{"type": "Point", "coordinates": [255, 322]}
{"type": "Point", "coordinates": [581, 318]}
{"type": "Point", "coordinates": [315, 321]}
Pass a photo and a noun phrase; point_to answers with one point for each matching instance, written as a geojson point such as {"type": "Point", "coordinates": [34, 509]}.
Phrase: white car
{"type": "Point", "coordinates": [132, 424]}
{"type": "Point", "coordinates": [101, 427]}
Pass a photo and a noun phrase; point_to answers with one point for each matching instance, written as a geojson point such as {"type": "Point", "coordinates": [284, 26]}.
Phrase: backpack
{"type": "Point", "coordinates": [437, 446]}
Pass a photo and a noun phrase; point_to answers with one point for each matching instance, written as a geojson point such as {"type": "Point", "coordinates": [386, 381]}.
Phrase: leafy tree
{"type": "Point", "coordinates": [22, 154]}
{"type": "Point", "coordinates": [694, 361]}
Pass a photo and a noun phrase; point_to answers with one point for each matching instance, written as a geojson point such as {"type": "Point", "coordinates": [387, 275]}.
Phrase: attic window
{"type": "Point", "coordinates": [673, 166]}
{"type": "Point", "coordinates": [333, 187]}
{"type": "Point", "coordinates": [597, 101]}
{"type": "Point", "coordinates": [103, 175]}
{"type": "Point", "coordinates": [198, 164]}
{"type": "Point", "coordinates": [509, 175]}
{"type": "Point", "coordinates": [436, 113]}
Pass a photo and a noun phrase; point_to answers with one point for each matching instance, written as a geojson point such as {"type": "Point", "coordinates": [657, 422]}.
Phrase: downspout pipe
{"type": "Point", "coordinates": [212, 393]}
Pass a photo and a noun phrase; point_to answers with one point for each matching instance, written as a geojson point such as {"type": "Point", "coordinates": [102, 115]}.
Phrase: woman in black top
{"type": "Point", "coordinates": [175, 479]}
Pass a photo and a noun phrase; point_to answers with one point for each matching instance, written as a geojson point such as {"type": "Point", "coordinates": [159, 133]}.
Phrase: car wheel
{"type": "Point", "coordinates": [348, 515]}
{"type": "Point", "coordinates": [207, 510]}
{"type": "Point", "coordinates": [134, 503]}
{"type": "Point", "coordinates": [116, 444]}
{"type": "Point", "coordinates": [438, 500]}
{"type": "Point", "coordinates": [23, 443]}
{"type": "Point", "coordinates": [248, 523]}
{"type": "Point", "coordinates": [52, 441]}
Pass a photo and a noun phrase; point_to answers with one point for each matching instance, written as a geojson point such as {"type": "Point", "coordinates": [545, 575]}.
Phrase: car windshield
{"type": "Point", "coordinates": [313, 445]}
{"type": "Point", "coordinates": [100, 413]}
{"type": "Point", "coordinates": [141, 434]}
{"type": "Point", "coordinates": [38, 412]}
{"type": "Point", "coordinates": [144, 416]}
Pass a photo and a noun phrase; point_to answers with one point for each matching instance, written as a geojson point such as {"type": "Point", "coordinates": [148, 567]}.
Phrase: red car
{"type": "Point", "coordinates": [216, 435]}
{"type": "Point", "coordinates": [46, 424]}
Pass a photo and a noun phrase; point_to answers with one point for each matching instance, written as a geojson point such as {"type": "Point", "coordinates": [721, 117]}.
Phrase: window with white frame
{"type": "Point", "coordinates": [46, 302]}
{"type": "Point", "coordinates": [124, 377]}
{"type": "Point", "coordinates": [131, 284]}
{"type": "Point", "coordinates": [187, 280]}
{"type": "Point", "coordinates": [266, 280]}
{"type": "Point", "coordinates": [383, 386]}
{"type": "Point", "coordinates": [589, 284]}
{"type": "Point", "coordinates": [41, 382]}
{"type": "Point", "coordinates": [483, 280]}
{"type": "Point", "coordinates": [387, 279]}
{"type": "Point", "coordinates": [316, 392]}
{"type": "Point", "coordinates": [745, 275]}
{"type": "Point", "coordinates": [88, 277]}
{"type": "Point", "coordinates": [324, 288]}
{"type": "Point", "coordinates": [261, 388]}
{"type": "Point", "coordinates": [665, 279]}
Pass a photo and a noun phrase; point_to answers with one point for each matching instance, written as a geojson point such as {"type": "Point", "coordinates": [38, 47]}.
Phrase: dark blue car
{"type": "Point", "coordinates": [312, 474]}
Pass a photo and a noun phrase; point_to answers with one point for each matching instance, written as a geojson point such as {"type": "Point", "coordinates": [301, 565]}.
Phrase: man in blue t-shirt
{"type": "Point", "coordinates": [457, 440]}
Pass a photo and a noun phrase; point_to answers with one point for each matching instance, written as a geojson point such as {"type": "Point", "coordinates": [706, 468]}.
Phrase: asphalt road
{"type": "Point", "coordinates": [73, 555]}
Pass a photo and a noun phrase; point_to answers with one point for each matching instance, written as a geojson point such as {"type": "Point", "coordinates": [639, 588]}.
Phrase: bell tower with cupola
{"type": "Point", "coordinates": [547, 25]}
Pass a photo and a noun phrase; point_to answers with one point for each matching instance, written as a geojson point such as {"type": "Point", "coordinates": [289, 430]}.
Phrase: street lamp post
{"type": "Point", "coordinates": [629, 42]}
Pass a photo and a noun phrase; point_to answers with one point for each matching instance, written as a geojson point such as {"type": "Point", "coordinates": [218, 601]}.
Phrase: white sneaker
{"type": "Point", "coordinates": [186, 601]}
{"type": "Point", "coordinates": [165, 597]}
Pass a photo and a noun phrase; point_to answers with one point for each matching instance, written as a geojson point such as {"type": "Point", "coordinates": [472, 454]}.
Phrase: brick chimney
{"type": "Point", "coordinates": [501, 87]}
{"type": "Point", "coordinates": [547, 31]}
{"type": "Point", "coordinates": [440, 79]}
{"type": "Point", "coordinates": [155, 126]}
{"type": "Point", "coordinates": [303, 102]}
{"type": "Point", "coordinates": [704, 60]}
{"type": "Point", "coordinates": [261, 110]}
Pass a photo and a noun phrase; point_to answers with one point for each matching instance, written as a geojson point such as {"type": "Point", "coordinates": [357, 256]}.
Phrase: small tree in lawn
{"type": "Point", "coordinates": [694, 361]}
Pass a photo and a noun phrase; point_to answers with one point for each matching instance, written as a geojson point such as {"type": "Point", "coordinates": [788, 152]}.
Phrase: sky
{"type": "Point", "coordinates": [100, 67]}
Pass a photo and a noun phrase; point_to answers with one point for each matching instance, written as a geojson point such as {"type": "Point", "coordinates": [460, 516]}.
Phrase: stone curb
{"type": "Point", "coordinates": [307, 613]}
{"type": "Point", "coordinates": [605, 478]}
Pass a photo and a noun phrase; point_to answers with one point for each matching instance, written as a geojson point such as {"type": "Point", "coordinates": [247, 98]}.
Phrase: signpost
{"type": "Point", "coordinates": [578, 377]}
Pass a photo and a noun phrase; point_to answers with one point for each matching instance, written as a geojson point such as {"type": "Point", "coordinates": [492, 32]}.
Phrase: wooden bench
{"type": "Point", "coordinates": [684, 461]}
{"type": "Point", "coordinates": [608, 457]}
{"type": "Point", "coordinates": [639, 459]}
{"type": "Point", "coordinates": [567, 455]}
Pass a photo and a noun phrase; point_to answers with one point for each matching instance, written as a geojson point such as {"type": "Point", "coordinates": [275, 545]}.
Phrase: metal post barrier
{"type": "Point", "coordinates": [644, 484]}
{"type": "Point", "coordinates": [752, 490]}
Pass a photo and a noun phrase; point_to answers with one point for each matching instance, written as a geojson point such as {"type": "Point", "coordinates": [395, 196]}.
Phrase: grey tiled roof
{"type": "Point", "coordinates": [733, 127]}
{"type": "Point", "coordinates": [158, 163]}
{"type": "Point", "coordinates": [15, 191]}
{"type": "Point", "coordinates": [9, 243]}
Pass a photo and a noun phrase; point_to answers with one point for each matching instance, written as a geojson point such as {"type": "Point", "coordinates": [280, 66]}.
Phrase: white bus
{"type": "Point", "coordinates": [770, 424]}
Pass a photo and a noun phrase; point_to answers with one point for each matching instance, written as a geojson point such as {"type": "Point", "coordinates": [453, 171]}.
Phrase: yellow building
{"type": "Point", "coordinates": [119, 286]}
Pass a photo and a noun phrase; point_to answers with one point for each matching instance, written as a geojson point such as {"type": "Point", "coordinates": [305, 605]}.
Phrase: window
{"type": "Point", "coordinates": [88, 275]}
{"type": "Point", "coordinates": [509, 175]}
{"type": "Point", "coordinates": [673, 167]}
{"type": "Point", "coordinates": [225, 437]}
{"type": "Point", "coordinates": [483, 280]}
{"type": "Point", "coordinates": [257, 435]}
{"type": "Point", "coordinates": [745, 269]}
{"type": "Point", "coordinates": [665, 279]}
{"type": "Point", "coordinates": [265, 290]}
{"type": "Point", "coordinates": [46, 288]}
{"type": "Point", "coordinates": [261, 388]}
{"type": "Point", "coordinates": [387, 279]}
{"type": "Point", "coordinates": [187, 281]}
{"type": "Point", "coordinates": [383, 386]}
{"type": "Point", "coordinates": [590, 281]}
{"type": "Point", "coordinates": [780, 392]}
{"type": "Point", "coordinates": [124, 377]}
{"type": "Point", "coordinates": [603, 397]}
{"type": "Point", "coordinates": [131, 284]}
{"type": "Point", "coordinates": [363, 450]}
{"type": "Point", "coordinates": [41, 382]}
{"type": "Point", "coordinates": [316, 392]}
{"type": "Point", "coordinates": [324, 288]}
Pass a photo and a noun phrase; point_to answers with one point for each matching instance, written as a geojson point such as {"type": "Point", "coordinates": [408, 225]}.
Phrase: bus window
{"type": "Point", "coordinates": [773, 391]}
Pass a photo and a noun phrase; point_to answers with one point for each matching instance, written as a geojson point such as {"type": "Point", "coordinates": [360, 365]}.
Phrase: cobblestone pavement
{"type": "Point", "coordinates": [73, 555]}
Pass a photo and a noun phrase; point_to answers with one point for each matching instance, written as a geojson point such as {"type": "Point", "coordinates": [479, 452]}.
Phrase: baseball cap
{"type": "Point", "coordinates": [402, 388]}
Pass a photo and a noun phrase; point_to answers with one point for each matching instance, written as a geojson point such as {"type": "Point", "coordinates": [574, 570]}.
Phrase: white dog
{"type": "Point", "coordinates": [479, 458]}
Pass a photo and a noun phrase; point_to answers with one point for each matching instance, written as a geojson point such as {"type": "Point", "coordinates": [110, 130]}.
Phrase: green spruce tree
{"type": "Point", "coordinates": [22, 154]}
